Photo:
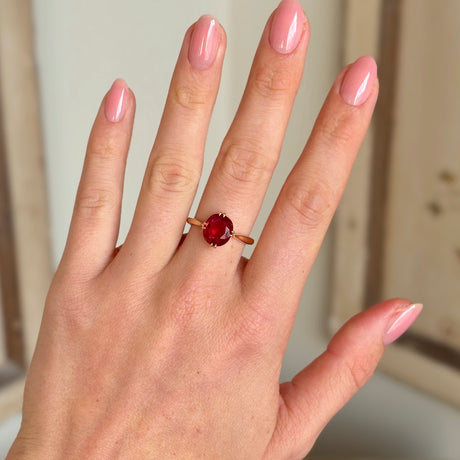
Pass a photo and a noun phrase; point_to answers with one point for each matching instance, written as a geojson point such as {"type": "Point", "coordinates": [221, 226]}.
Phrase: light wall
{"type": "Point", "coordinates": [82, 46]}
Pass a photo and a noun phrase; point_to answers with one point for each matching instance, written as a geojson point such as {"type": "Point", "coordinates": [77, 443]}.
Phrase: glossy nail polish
{"type": "Point", "coordinates": [204, 43]}
{"type": "Point", "coordinates": [401, 320]}
{"type": "Point", "coordinates": [357, 82]}
{"type": "Point", "coordinates": [116, 101]}
{"type": "Point", "coordinates": [287, 26]}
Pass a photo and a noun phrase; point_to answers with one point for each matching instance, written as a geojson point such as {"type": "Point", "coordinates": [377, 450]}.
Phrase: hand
{"type": "Point", "coordinates": [169, 350]}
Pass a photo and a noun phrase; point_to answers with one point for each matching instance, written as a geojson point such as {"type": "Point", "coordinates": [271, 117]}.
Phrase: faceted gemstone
{"type": "Point", "coordinates": [218, 229]}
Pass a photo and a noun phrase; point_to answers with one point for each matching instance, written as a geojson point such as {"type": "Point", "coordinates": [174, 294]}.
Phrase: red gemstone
{"type": "Point", "coordinates": [218, 230]}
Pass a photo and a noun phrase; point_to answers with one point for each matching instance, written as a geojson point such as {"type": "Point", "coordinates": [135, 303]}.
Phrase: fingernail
{"type": "Point", "coordinates": [204, 43]}
{"type": "Point", "coordinates": [401, 320]}
{"type": "Point", "coordinates": [116, 101]}
{"type": "Point", "coordinates": [357, 82]}
{"type": "Point", "coordinates": [287, 26]}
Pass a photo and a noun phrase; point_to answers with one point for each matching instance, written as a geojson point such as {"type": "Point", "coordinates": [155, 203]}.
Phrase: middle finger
{"type": "Point", "coordinates": [250, 151]}
{"type": "Point", "coordinates": [174, 166]}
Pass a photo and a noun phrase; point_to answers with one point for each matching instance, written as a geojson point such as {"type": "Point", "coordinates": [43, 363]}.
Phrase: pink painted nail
{"type": "Point", "coordinates": [287, 26]}
{"type": "Point", "coordinates": [204, 43]}
{"type": "Point", "coordinates": [116, 103]}
{"type": "Point", "coordinates": [401, 321]}
{"type": "Point", "coordinates": [357, 82]}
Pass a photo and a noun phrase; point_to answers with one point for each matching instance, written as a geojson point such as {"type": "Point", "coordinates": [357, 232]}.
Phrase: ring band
{"type": "Point", "coordinates": [218, 230]}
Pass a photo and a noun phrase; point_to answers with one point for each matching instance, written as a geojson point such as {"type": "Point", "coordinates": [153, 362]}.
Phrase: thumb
{"type": "Point", "coordinates": [319, 391]}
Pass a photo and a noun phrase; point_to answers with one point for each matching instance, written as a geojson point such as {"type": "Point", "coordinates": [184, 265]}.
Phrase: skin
{"type": "Point", "coordinates": [169, 350]}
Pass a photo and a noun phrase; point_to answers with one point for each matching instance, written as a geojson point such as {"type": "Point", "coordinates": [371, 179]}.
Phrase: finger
{"type": "Point", "coordinates": [299, 220]}
{"type": "Point", "coordinates": [251, 148]}
{"type": "Point", "coordinates": [174, 167]}
{"type": "Point", "coordinates": [96, 217]}
{"type": "Point", "coordinates": [318, 392]}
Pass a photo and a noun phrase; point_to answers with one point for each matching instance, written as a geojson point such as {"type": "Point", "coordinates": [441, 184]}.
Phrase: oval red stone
{"type": "Point", "coordinates": [218, 230]}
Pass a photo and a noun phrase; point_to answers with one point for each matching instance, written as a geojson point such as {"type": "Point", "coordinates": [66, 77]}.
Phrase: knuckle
{"type": "Point", "coordinates": [185, 310]}
{"type": "Point", "coordinates": [95, 202]}
{"type": "Point", "coordinates": [336, 131]}
{"type": "Point", "coordinates": [170, 175]}
{"type": "Point", "coordinates": [360, 372]}
{"type": "Point", "coordinates": [245, 163]}
{"type": "Point", "coordinates": [312, 204]}
{"type": "Point", "coordinates": [359, 369]}
{"type": "Point", "coordinates": [255, 325]}
{"type": "Point", "coordinates": [271, 83]}
{"type": "Point", "coordinates": [189, 98]}
{"type": "Point", "coordinates": [69, 307]}
{"type": "Point", "coordinates": [105, 150]}
{"type": "Point", "coordinates": [255, 330]}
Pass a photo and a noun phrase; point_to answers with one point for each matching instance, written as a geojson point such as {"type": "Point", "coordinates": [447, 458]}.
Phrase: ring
{"type": "Point", "coordinates": [218, 230]}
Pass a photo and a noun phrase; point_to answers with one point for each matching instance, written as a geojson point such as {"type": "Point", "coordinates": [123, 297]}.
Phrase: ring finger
{"type": "Point", "coordinates": [250, 151]}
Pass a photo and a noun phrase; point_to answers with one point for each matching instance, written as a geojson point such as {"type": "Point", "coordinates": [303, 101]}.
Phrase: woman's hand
{"type": "Point", "coordinates": [169, 350]}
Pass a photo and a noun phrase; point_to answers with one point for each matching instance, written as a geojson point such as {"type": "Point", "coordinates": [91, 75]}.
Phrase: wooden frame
{"type": "Point", "coordinates": [362, 216]}
{"type": "Point", "coordinates": [25, 265]}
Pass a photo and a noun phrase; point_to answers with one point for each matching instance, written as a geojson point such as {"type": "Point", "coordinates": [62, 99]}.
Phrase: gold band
{"type": "Point", "coordinates": [196, 222]}
{"type": "Point", "coordinates": [242, 238]}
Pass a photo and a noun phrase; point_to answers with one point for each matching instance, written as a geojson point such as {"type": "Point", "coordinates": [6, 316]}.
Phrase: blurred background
{"type": "Point", "coordinates": [399, 220]}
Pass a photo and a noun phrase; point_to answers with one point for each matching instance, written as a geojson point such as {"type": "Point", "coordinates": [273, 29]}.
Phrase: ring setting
{"type": "Point", "coordinates": [218, 230]}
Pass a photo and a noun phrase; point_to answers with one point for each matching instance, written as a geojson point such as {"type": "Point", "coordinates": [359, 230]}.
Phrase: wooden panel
{"type": "Point", "coordinates": [351, 220]}
{"type": "Point", "coordinates": [401, 238]}
{"type": "Point", "coordinates": [11, 398]}
{"type": "Point", "coordinates": [384, 119]}
{"type": "Point", "coordinates": [3, 356]}
{"type": "Point", "coordinates": [423, 224]}
{"type": "Point", "coordinates": [24, 246]}
{"type": "Point", "coordinates": [24, 157]}
{"type": "Point", "coordinates": [11, 317]}
{"type": "Point", "coordinates": [355, 458]}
